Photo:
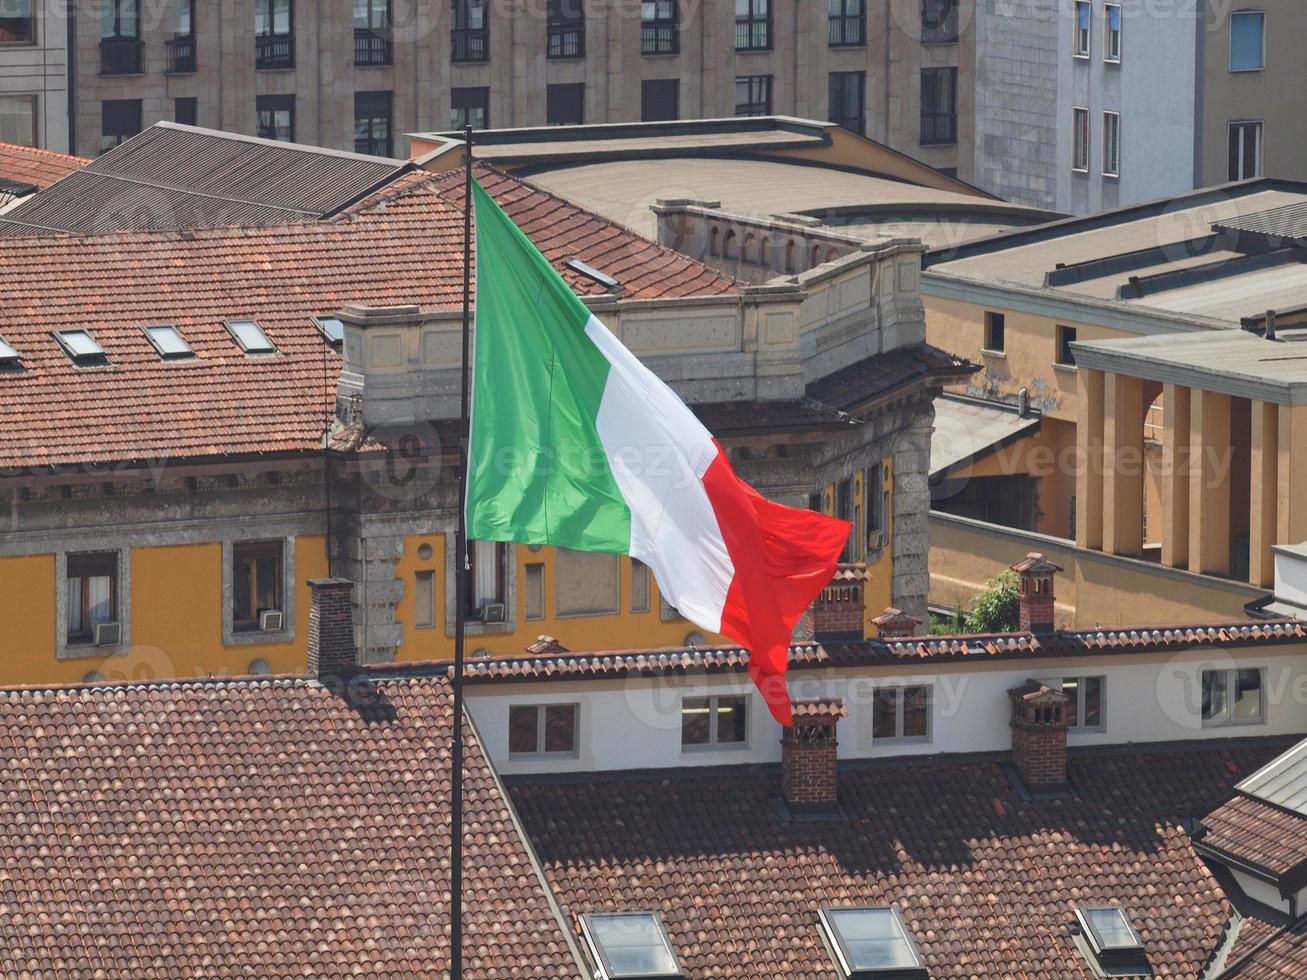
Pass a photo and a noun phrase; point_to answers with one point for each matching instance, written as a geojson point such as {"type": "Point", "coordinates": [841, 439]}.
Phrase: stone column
{"type": "Point", "coordinates": [1291, 502]}
{"type": "Point", "coordinates": [1123, 475]}
{"type": "Point", "coordinates": [1089, 446]}
{"type": "Point", "coordinates": [1175, 475]}
{"type": "Point", "coordinates": [910, 530]}
{"type": "Point", "coordinates": [1209, 483]}
{"type": "Point", "coordinates": [1263, 493]}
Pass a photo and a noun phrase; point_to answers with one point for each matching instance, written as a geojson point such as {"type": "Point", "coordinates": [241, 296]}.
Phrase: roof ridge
{"type": "Point", "coordinates": [42, 151]}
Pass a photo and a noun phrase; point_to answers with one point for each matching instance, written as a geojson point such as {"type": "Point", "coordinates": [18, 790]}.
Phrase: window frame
{"type": "Point", "coordinates": [714, 706]}
{"type": "Point", "coordinates": [1230, 681]}
{"type": "Point", "coordinates": [86, 636]}
{"type": "Point", "coordinates": [272, 105]}
{"type": "Point", "coordinates": [843, 958]}
{"type": "Point", "coordinates": [32, 21]}
{"type": "Point", "coordinates": [1080, 149]}
{"type": "Point", "coordinates": [193, 110]}
{"type": "Point", "coordinates": [331, 342]}
{"type": "Point", "coordinates": [425, 578]}
{"type": "Point", "coordinates": [97, 358]}
{"type": "Point", "coordinates": [942, 30]}
{"type": "Point", "coordinates": [1082, 37]}
{"type": "Point", "coordinates": [1079, 728]}
{"type": "Point", "coordinates": [1112, 38]}
{"type": "Point", "coordinates": [473, 612]}
{"type": "Point", "coordinates": [930, 119]}
{"type": "Point", "coordinates": [876, 517]}
{"type": "Point", "coordinates": [664, 84]}
{"type": "Point", "coordinates": [660, 35]}
{"type": "Point", "coordinates": [120, 105]}
{"type": "Point", "coordinates": [167, 355]}
{"type": "Point", "coordinates": [542, 710]}
{"type": "Point", "coordinates": [601, 955]}
{"type": "Point", "coordinates": [1259, 127]}
{"type": "Point", "coordinates": [256, 549]}
{"type": "Point", "coordinates": [1247, 12]}
{"type": "Point", "coordinates": [1111, 143]}
{"type": "Point", "coordinates": [33, 115]}
{"type": "Point", "coordinates": [483, 92]}
{"type": "Point", "coordinates": [10, 356]}
{"type": "Point", "coordinates": [747, 26]}
{"type": "Point", "coordinates": [1111, 957]}
{"type": "Point", "coordinates": [995, 326]}
{"type": "Point", "coordinates": [1064, 337]}
{"type": "Point", "coordinates": [844, 115]}
{"type": "Point", "coordinates": [251, 352]}
{"type": "Point", "coordinates": [562, 27]}
{"type": "Point", "coordinates": [372, 106]}
{"type": "Point", "coordinates": [900, 697]}
{"type": "Point", "coordinates": [469, 45]}
{"type": "Point", "coordinates": [845, 29]}
{"type": "Point", "coordinates": [560, 95]}
{"type": "Point", "coordinates": [751, 104]}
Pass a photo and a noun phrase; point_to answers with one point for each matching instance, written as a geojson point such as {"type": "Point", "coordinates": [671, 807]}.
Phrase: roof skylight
{"type": "Point", "coordinates": [871, 942]}
{"type": "Point", "coordinates": [8, 355]}
{"type": "Point", "coordinates": [332, 329]}
{"type": "Point", "coordinates": [1111, 937]}
{"type": "Point", "coordinates": [250, 336]}
{"type": "Point", "coordinates": [590, 272]}
{"type": "Point", "coordinates": [630, 944]}
{"type": "Point", "coordinates": [169, 342]}
{"type": "Point", "coordinates": [80, 346]}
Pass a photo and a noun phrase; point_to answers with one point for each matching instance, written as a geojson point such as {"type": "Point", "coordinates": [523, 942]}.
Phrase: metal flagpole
{"type": "Point", "coordinates": [460, 594]}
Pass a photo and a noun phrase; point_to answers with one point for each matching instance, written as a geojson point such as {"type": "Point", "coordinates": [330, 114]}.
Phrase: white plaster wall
{"type": "Point", "coordinates": [635, 723]}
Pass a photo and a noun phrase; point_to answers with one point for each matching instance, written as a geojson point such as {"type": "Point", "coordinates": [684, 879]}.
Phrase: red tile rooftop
{"type": "Point", "coordinates": [39, 168]}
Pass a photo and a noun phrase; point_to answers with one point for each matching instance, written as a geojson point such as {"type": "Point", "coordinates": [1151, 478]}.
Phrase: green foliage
{"type": "Point", "coordinates": [997, 608]}
{"type": "Point", "coordinates": [948, 624]}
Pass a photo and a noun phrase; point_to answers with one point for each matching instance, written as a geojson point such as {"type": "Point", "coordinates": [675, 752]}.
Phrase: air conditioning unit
{"type": "Point", "coordinates": [494, 612]}
{"type": "Point", "coordinates": [108, 634]}
{"type": "Point", "coordinates": [875, 540]}
{"type": "Point", "coordinates": [271, 620]}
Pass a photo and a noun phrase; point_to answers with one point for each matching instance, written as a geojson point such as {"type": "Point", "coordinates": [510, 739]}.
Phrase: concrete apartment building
{"type": "Point", "coordinates": [34, 74]}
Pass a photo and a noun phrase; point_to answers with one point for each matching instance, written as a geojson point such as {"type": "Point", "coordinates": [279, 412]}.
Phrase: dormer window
{"type": "Point", "coordinates": [9, 357]}
{"type": "Point", "coordinates": [332, 330]}
{"type": "Point", "coordinates": [81, 347]}
{"type": "Point", "coordinates": [871, 944]}
{"type": "Point", "coordinates": [169, 342]}
{"type": "Point", "coordinates": [630, 944]}
{"type": "Point", "coordinates": [251, 337]}
{"type": "Point", "coordinates": [1111, 938]}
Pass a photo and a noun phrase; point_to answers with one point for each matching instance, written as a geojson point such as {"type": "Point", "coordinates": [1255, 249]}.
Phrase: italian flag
{"type": "Point", "coordinates": [575, 443]}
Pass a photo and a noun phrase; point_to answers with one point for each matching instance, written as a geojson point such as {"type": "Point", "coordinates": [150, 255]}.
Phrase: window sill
{"type": "Point", "coordinates": [1080, 171]}
{"type": "Point", "coordinates": [905, 740]}
{"type": "Point", "coordinates": [541, 756]}
{"type": "Point", "coordinates": [1107, 176]}
{"type": "Point", "coordinates": [249, 638]}
{"type": "Point", "coordinates": [1112, 61]}
{"type": "Point", "coordinates": [728, 747]}
{"type": "Point", "coordinates": [1059, 366]}
{"type": "Point", "coordinates": [18, 44]}
{"type": "Point", "coordinates": [85, 651]}
{"type": "Point", "coordinates": [998, 354]}
{"type": "Point", "coordinates": [1246, 71]}
{"type": "Point", "coordinates": [952, 142]}
{"type": "Point", "coordinates": [940, 43]}
{"type": "Point", "coordinates": [1207, 725]}
{"type": "Point", "coordinates": [1081, 57]}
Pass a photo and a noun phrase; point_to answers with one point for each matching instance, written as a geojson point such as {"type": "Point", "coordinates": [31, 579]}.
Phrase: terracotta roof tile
{"type": "Point", "coordinates": [987, 882]}
{"type": "Point", "coordinates": [39, 168]}
{"type": "Point", "coordinates": [1255, 832]}
{"type": "Point", "coordinates": [266, 828]}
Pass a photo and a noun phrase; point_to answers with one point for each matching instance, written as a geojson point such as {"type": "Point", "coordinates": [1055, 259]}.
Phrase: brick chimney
{"type": "Point", "coordinates": [1039, 725]}
{"type": "Point", "coordinates": [838, 612]}
{"type": "Point", "coordinates": [332, 651]}
{"type": "Point", "coordinates": [808, 777]}
{"type": "Point", "coordinates": [895, 624]}
{"type": "Point", "coordinates": [1037, 598]}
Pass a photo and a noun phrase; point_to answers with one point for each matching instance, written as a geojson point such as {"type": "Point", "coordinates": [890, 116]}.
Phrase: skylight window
{"type": "Point", "coordinates": [81, 346]}
{"type": "Point", "coordinates": [332, 329]}
{"type": "Point", "coordinates": [1111, 938]}
{"type": "Point", "coordinates": [590, 272]}
{"type": "Point", "coordinates": [169, 342]}
{"type": "Point", "coordinates": [871, 943]}
{"type": "Point", "coordinates": [9, 357]}
{"type": "Point", "coordinates": [630, 944]}
{"type": "Point", "coordinates": [251, 337]}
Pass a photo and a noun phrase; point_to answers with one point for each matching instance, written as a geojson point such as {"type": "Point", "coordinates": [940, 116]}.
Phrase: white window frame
{"type": "Point", "coordinates": [1058, 684]}
{"type": "Point", "coordinates": [1112, 52]}
{"type": "Point", "coordinates": [1081, 43]}
{"type": "Point", "coordinates": [1078, 113]}
{"type": "Point", "coordinates": [1230, 52]}
{"type": "Point", "coordinates": [898, 738]}
{"type": "Point", "coordinates": [33, 100]}
{"type": "Point", "coordinates": [1260, 124]}
{"type": "Point", "coordinates": [712, 745]}
{"type": "Point", "coordinates": [541, 752]}
{"type": "Point", "coordinates": [1111, 143]}
{"type": "Point", "coordinates": [1226, 721]}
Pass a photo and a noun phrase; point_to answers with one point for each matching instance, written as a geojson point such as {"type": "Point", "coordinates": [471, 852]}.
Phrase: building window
{"type": "Point", "coordinates": [471, 33]}
{"type": "Point", "coordinates": [1245, 150]}
{"type": "Point", "coordinates": [533, 598]}
{"type": "Point", "coordinates": [939, 21]}
{"type": "Point", "coordinates": [847, 102]}
{"type": "Point", "coordinates": [939, 105]}
{"type": "Point", "coordinates": [1116, 946]}
{"type": "Point", "coordinates": [424, 600]}
{"type": "Point", "coordinates": [848, 23]}
{"type": "Point", "coordinates": [901, 714]}
{"type": "Point", "coordinates": [871, 942]}
{"type": "Point", "coordinates": [92, 594]}
{"type": "Point", "coordinates": [1248, 40]}
{"type": "Point", "coordinates": [639, 586]}
{"type": "Point", "coordinates": [276, 117]}
{"type": "Point", "coordinates": [565, 29]}
{"type": "Point", "coordinates": [1112, 33]}
{"type": "Point", "coordinates": [372, 123]}
{"type": "Point", "coordinates": [718, 720]}
{"type": "Point", "coordinates": [1233, 697]}
{"type": "Point", "coordinates": [485, 580]}
{"type": "Point", "coordinates": [753, 95]}
{"type": "Point", "coordinates": [373, 41]}
{"type": "Point", "coordinates": [469, 107]}
{"type": "Point", "coordinates": [257, 580]}
{"type": "Point", "coordinates": [542, 729]}
{"type": "Point", "coordinates": [659, 99]}
{"type": "Point", "coordinates": [659, 27]}
{"type": "Point", "coordinates": [1066, 336]}
{"type": "Point", "coordinates": [120, 37]}
{"type": "Point", "coordinates": [18, 119]}
{"type": "Point", "coordinates": [17, 22]}
{"type": "Point", "coordinates": [120, 120]}
{"type": "Point", "coordinates": [1111, 144]}
{"type": "Point", "coordinates": [995, 324]}
{"type": "Point", "coordinates": [1080, 140]}
{"type": "Point", "coordinates": [186, 111]}
{"type": "Point", "coordinates": [875, 489]}
{"type": "Point", "coordinates": [846, 509]}
{"type": "Point", "coordinates": [752, 25]}
{"type": "Point", "coordinates": [630, 946]}
{"type": "Point", "coordinates": [1085, 702]}
{"type": "Point", "coordinates": [274, 34]}
{"type": "Point", "coordinates": [181, 47]}
{"type": "Point", "coordinates": [1080, 37]}
{"type": "Point", "coordinates": [565, 104]}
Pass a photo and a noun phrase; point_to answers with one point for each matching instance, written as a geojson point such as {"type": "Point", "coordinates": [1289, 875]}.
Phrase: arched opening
{"type": "Point", "coordinates": [750, 252]}
{"type": "Point", "coordinates": [714, 241]}
{"type": "Point", "coordinates": [789, 256]}
{"type": "Point", "coordinates": [731, 245]}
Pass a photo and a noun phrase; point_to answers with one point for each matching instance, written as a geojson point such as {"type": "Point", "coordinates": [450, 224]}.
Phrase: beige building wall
{"type": "Point", "coordinates": [34, 78]}
{"type": "Point", "coordinates": [518, 72]}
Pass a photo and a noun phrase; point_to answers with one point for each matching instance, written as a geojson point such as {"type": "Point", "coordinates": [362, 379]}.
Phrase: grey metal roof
{"type": "Point", "coordinates": [967, 430]}
{"type": "Point", "coordinates": [173, 176]}
{"type": "Point", "coordinates": [1282, 781]}
{"type": "Point", "coordinates": [1287, 222]}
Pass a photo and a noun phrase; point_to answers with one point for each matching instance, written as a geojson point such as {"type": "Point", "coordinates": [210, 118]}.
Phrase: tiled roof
{"type": "Point", "coordinates": [1281, 956]}
{"type": "Point", "coordinates": [986, 881]}
{"type": "Point", "coordinates": [1255, 832]}
{"type": "Point", "coordinates": [257, 827]}
{"type": "Point", "coordinates": [866, 380]}
{"type": "Point", "coordinates": [403, 246]}
{"type": "Point", "coordinates": [819, 708]}
{"type": "Point", "coordinates": [942, 649]}
{"type": "Point", "coordinates": [39, 168]}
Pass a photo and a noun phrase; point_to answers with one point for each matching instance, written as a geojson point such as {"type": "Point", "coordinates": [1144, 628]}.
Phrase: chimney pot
{"type": "Point", "coordinates": [808, 755]}
{"type": "Point", "coordinates": [332, 650]}
{"type": "Point", "coordinates": [1036, 598]}
{"type": "Point", "coordinates": [1040, 716]}
{"type": "Point", "coordinates": [895, 624]}
{"type": "Point", "coordinates": [838, 611]}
